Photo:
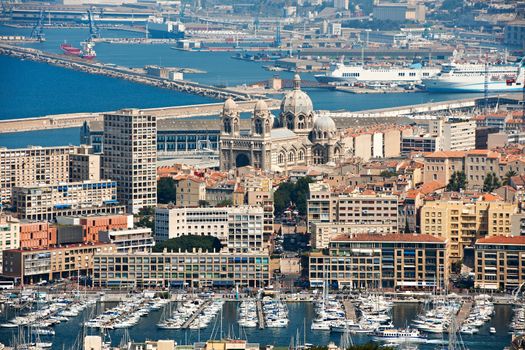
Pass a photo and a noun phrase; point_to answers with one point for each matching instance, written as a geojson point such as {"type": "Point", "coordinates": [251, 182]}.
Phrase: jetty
{"type": "Point", "coordinates": [350, 313]}
{"type": "Point", "coordinates": [74, 120]}
{"type": "Point", "coordinates": [260, 315]}
{"type": "Point", "coordinates": [463, 312]}
{"type": "Point", "coordinates": [114, 71]}
{"type": "Point", "coordinates": [195, 314]}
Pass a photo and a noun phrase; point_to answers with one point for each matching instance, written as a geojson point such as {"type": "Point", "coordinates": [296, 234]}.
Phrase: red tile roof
{"type": "Point", "coordinates": [519, 240]}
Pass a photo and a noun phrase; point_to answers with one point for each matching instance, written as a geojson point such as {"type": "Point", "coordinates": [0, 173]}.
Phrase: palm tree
{"type": "Point", "coordinates": [508, 175]}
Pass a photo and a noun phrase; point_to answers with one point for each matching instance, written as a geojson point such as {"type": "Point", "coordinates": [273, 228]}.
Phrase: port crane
{"type": "Point", "coordinates": [38, 29]}
{"type": "Point", "coordinates": [93, 29]}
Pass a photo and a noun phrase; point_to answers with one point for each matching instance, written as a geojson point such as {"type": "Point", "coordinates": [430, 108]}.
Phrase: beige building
{"type": "Point", "coordinates": [130, 157]}
{"type": "Point", "coordinates": [9, 233]}
{"type": "Point", "coordinates": [84, 165]}
{"type": "Point", "coordinates": [45, 202]}
{"type": "Point", "coordinates": [33, 165]}
{"type": "Point", "coordinates": [439, 166]}
{"type": "Point", "coordinates": [31, 266]}
{"type": "Point", "coordinates": [379, 262]}
{"type": "Point", "coordinates": [500, 263]}
{"type": "Point", "coordinates": [181, 269]}
{"type": "Point", "coordinates": [352, 208]}
{"type": "Point", "coordinates": [190, 191]}
{"type": "Point", "coordinates": [462, 223]}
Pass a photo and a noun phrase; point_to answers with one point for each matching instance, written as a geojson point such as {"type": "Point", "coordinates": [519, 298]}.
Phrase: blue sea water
{"type": "Point", "coordinates": [300, 315]}
{"type": "Point", "coordinates": [30, 89]}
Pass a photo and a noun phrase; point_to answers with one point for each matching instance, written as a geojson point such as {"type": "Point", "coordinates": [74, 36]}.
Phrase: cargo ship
{"type": "Point", "coordinates": [88, 51]}
{"type": "Point", "coordinates": [70, 50]}
{"type": "Point", "coordinates": [473, 77]}
{"type": "Point", "coordinates": [160, 29]}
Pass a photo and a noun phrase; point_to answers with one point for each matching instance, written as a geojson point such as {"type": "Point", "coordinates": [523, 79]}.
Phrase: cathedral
{"type": "Point", "coordinates": [297, 138]}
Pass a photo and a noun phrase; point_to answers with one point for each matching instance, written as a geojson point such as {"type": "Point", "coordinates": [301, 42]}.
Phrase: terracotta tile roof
{"type": "Point", "coordinates": [445, 154]}
{"type": "Point", "coordinates": [389, 237]}
{"type": "Point", "coordinates": [502, 240]}
{"type": "Point", "coordinates": [489, 197]}
{"type": "Point", "coordinates": [430, 187]}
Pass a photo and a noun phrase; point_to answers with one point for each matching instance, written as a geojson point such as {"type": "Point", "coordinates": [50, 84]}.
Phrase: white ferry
{"type": "Point", "coordinates": [342, 74]}
{"type": "Point", "coordinates": [400, 335]}
{"type": "Point", "coordinates": [471, 77]}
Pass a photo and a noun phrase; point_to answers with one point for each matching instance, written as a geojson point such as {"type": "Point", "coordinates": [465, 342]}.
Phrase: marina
{"type": "Point", "coordinates": [195, 318]}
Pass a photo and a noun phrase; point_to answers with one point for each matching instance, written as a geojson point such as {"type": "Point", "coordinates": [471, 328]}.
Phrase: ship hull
{"type": "Point", "coordinates": [463, 87]}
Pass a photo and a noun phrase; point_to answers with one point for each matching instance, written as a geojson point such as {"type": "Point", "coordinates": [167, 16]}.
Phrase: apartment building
{"type": "Point", "coordinates": [32, 165]}
{"type": "Point", "coordinates": [439, 166]}
{"type": "Point", "coordinates": [37, 235]}
{"type": "Point", "coordinates": [384, 261]}
{"type": "Point", "coordinates": [45, 202]}
{"type": "Point", "coordinates": [263, 199]}
{"type": "Point", "coordinates": [454, 134]}
{"type": "Point", "coordinates": [84, 165]}
{"type": "Point", "coordinates": [130, 157]}
{"type": "Point", "coordinates": [462, 223]}
{"type": "Point", "coordinates": [9, 233]}
{"type": "Point", "coordinates": [129, 239]}
{"type": "Point", "coordinates": [367, 208]}
{"type": "Point", "coordinates": [240, 229]}
{"type": "Point", "coordinates": [181, 269]}
{"type": "Point", "coordinates": [190, 191]}
{"type": "Point", "coordinates": [321, 233]}
{"type": "Point", "coordinates": [92, 225]}
{"type": "Point", "coordinates": [34, 265]}
{"type": "Point", "coordinates": [500, 263]}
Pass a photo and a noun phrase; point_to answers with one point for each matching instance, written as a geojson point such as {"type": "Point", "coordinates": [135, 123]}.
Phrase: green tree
{"type": "Point", "coordinates": [491, 182]}
{"type": "Point", "coordinates": [292, 193]}
{"type": "Point", "coordinates": [187, 243]}
{"type": "Point", "coordinates": [458, 181]}
{"type": "Point", "coordinates": [225, 203]}
{"type": "Point", "coordinates": [508, 175]}
{"type": "Point", "coordinates": [146, 218]}
{"type": "Point", "coordinates": [388, 173]}
{"type": "Point", "coordinates": [166, 191]}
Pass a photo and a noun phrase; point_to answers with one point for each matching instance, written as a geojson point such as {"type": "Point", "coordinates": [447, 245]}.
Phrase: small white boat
{"type": "Point", "coordinates": [492, 330]}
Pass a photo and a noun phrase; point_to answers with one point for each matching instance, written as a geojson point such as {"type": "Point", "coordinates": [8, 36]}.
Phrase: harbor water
{"type": "Point", "coordinates": [300, 315]}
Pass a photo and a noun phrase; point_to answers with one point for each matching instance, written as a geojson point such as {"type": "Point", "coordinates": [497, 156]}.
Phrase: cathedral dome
{"type": "Point", "coordinates": [260, 107]}
{"type": "Point", "coordinates": [297, 101]}
{"type": "Point", "coordinates": [324, 123]}
{"type": "Point", "coordinates": [229, 106]}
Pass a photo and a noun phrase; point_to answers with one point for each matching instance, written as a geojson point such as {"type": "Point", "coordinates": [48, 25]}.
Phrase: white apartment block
{"type": "Point", "coordinates": [138, 239]}
{"type": "Point", "coordinates": [454, 134]}
{"type": "Point", "coordinates": [130, 157]}
{"type": "Point", "coordinates": [240, 229]}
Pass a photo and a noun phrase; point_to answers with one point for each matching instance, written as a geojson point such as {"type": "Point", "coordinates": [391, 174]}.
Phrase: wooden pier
{"type": "Point", "coordinates": [260, 315]}
{"type": "Point", "coordinates": [350, 311]}
{"type": "Point", "coordinates": [195, 314]}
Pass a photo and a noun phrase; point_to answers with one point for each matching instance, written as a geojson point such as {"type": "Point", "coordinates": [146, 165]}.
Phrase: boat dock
{"type": "Point", "coordinates": [350, 310]}
{"type": "Point", "coordinates": [463, 312]}
{"type": "Point", "coordinates": [195, 314]}
{"type": "Point", "coordinates": [260, 315]}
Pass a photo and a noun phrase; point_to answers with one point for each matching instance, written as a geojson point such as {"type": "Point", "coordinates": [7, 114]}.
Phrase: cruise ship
{"type": "Point", "coordinates": [471, 77]}
{"type": "Point", "coordinates": [342, 74]}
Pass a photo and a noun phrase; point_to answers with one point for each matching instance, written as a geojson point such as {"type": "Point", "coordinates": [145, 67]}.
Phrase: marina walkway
{"type": "Point", "coordinates": [463, 312]}
{"type": "Point", "coordinates": [350, 311]}
{"type": "Point", "coordinates": [195, 314]}
{"type": "Point", "coordinates": [260, 315]}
